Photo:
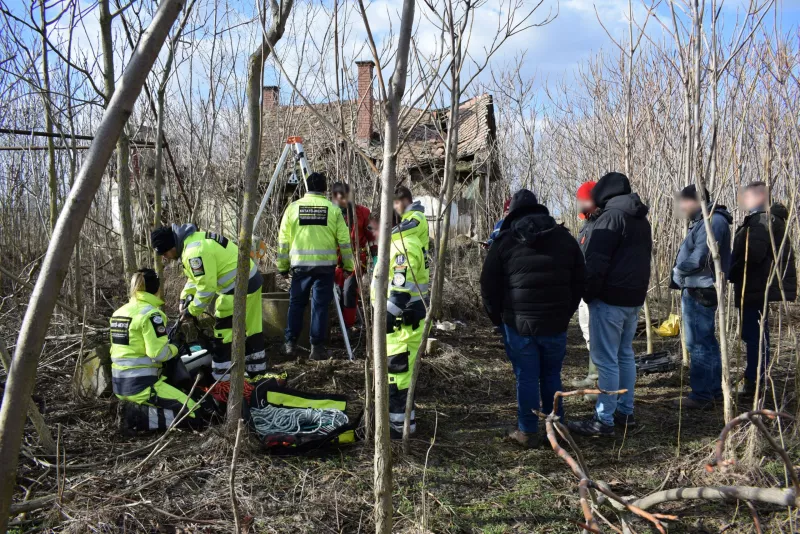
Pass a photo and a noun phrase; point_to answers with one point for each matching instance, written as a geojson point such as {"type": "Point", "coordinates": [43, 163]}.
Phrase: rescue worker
{"type": "Point", "coordinates": [405, 318]}
{"type": "Point", "coordinates": [209, 263]}
{"type": "Point", "coordinates": [139, 348]}
{"type": "Point", "coordinates": [412, 219]}
{"type": "Point", "coordinates": [311, 236]}
{"type": "Point", "coordinates": [356, 217]}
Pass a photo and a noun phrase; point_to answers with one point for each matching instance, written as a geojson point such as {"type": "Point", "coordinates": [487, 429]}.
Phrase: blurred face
{"type": "Point", "coordinates": [401, 205]}
{"type": "Point", "coordinates": [375, 227]}
{"type": "Point", "coordinates": [170, 255]}
{"type": "Point", "coordinates": [753, 198]}
{"type": "Point", "coordinates": [340, 199]}
{"type": "Point", "coordinates": [688, 207]}
{"type": "Point", "coordinates": [586, 206]}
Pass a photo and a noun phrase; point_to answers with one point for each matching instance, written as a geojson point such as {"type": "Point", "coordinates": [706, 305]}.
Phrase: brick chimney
{"type": "Point", "coordinates": [365, 101]}
{"type": "Point", "coordinates": [272, 96]}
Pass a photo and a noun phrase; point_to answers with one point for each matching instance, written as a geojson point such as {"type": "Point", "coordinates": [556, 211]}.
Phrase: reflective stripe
{"type": "Point", "coordinates": [313, 251]}
{"type": "Point", "coordinates": [146, 309]}
{"type": "Point", "coordinates": [130, 362]}
{"type": "Point", "coordinates": [312, 263]}
{"type": "Point", "coordinates": [164, 354]}
{"type": "Point", "coordinates": [228, 287]}
{"type": "Point", "coordinates": [193, 244]}
{"type": "Point", "coordinates": [205, 294]}
{"type": "Point", "coordinates": [283, 246]}
{"type": "Point", "coordinates": [169, 417]}
{"type": "Point", "coordinates": [222, 366]}
{"type": "Point", "coordinates": [133, 373]}
{"type": "Point", "coordinates": [400, 417]}
{"type": "Point", "coordinates": [200, 304]}
{"type": "Point", "coordinates": [189, 285]}
{"type": "Point", "coordinates": [253, 271]}
{"type": "Point", "coordinates": [283, 256]}
{"type": "Point", "coordinates": [226, 278]}
{"type": "Point", "coordinates": [345, 245]}
{"type": "Point", "coordinates": [393, 308]}
{"type": "Point", "coordinates": [152, 414]}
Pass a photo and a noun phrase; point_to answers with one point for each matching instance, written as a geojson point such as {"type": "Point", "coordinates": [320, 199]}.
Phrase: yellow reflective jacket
{"type": "Point", "coordinates": [312, 231]}
{"type": "Point", "coordinates": [209, 263]}
{"type": "Point", "coordinates": [408, 276]}
{"type": "Point", "coordinates": [413, 223]}
{"type": "Point", "coordinates": [139, 344]}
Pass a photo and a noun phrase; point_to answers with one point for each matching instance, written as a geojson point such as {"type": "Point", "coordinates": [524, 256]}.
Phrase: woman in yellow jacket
{"type": "Point", "coordinates": [139, 348]}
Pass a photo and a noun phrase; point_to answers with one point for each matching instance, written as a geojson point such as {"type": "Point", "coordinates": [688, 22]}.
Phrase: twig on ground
{"type": "Point", "coordinates": [232, 480]}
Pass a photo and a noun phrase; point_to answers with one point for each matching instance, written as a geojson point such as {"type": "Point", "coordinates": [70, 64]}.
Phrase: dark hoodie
{"type": "Point", "coordinates": [618, 245]}
{"type": "Point", "coordinates": [533, 276]}
{"type": "Point", "coordinates": [180, 232]}
{"type": "Point", "coordinates": [759, 258]}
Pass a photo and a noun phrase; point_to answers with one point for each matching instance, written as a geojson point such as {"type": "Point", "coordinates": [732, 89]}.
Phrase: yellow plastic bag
{"type": "Point", "coordinates": [671, 327]}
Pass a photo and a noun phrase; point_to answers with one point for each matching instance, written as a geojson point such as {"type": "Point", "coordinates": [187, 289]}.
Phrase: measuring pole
{"type": "Point", "coordinates": [295, 144]}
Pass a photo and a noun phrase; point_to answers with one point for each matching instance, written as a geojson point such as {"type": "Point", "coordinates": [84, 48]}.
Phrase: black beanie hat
{"type": "Point", "coordinates": [162, 239]}
{"type": "Point", "coordinates": [317, 182]}
{"type": "Point", "coordinates": [340, 188]}
{"type": "Point", "coordinates": [151, 281]}
{"type": "Point", "coordinates": [690, 193]}
{"type": "Point", "coordinates": [522, 199]}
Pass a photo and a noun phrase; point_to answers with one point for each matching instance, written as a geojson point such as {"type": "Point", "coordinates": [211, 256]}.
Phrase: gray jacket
{"type": "Point", "coordinates": [694, 267]}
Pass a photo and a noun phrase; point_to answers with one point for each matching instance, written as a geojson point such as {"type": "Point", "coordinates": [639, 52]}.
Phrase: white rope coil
{"type": "Point", "coordinates": [274, 420]}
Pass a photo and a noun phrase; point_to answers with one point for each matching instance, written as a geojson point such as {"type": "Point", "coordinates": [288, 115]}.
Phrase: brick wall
{"type": "Point", "coordinates": [365, 101]}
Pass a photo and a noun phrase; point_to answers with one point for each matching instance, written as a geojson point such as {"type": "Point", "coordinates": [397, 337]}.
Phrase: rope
{"type": "Point", "coordinates": [273, 420]}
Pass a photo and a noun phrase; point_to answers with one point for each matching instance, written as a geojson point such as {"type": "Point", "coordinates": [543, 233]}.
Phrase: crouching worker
{"type": "Point", "coordinates": [209, 262]}
{"type": "Point", "coordinates": [405, 317]}
{"type": "Point", "coordinates": [139, 348]}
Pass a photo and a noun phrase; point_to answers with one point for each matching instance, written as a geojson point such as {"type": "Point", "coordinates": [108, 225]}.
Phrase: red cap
{"type": "Point", "coordinates": [585, 190]}
{"type": "Point", "coordinates": [506, 204]}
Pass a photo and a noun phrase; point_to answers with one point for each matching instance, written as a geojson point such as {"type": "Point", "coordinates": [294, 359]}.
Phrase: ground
{"type": "Point", "coordinates": [460, 477]}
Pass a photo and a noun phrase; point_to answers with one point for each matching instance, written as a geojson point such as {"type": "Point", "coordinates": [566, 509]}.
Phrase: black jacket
{"type": "Point", "coordinates": [583, 235]}
{"type": "Point", "coordinates": [759, 259]}
{"type": "Point", "coordinates": [534, 274]}
{"type": "Point", "coordinates": [618, 245]}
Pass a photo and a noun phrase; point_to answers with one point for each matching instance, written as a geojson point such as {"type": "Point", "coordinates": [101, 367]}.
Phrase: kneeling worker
{"type": "Point", "coordinates": [209, 262]}
{"type": "Point", "coordinates": [405, 318]}
{"type": "Point", "coordinates": [139, 347]}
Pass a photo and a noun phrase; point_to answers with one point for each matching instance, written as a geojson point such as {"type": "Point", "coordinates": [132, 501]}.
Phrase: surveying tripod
{"type": "Point", "coordinates": [295, 145]}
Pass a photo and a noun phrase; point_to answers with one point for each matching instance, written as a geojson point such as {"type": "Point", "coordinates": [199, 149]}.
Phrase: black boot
{"type": "Point", "coordinates": [319, 353]}
{"type": "Point", "coordinates": [591, 427]}
{"type": "Point", "coordinates": [289, 348]}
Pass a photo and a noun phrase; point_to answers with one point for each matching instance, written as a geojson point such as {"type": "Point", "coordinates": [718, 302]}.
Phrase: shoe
{"type": "Point", "coordinates": [622, 420]}
{"type": "Point", "coordinates": [693, 404]}
{"type": "Point", "coordinates": [289, 348]}
{"type": "Point", "coordinates": [591, 428]}
{"type": "Point", "coordinates": [527, 440]}
{"type": "Point", "coordinates": [587, 382]}
{"type": "Point", "coordinates": [319, 353]}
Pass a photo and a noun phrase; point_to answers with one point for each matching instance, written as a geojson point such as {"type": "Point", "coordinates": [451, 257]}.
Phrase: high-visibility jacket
{"type": "Point", "coordinates": [209, 262]}
{"type": "Point", "coordinates": [312, 232]}
{"type": "Point", "coordinates": [408, 280]}
{"type": "Point", "coordinates": [139, 344]}
{"type": "Point", "coordinates": [414, 223]}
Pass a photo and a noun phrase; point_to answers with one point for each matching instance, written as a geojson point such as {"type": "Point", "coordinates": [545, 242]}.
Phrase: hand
{"type": "Point", "coordinates": [185, 315]}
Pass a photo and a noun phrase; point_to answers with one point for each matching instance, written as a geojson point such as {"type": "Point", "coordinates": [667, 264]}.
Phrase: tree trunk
{"type": "Point", "coordinates": [52, 182]}
{"type": "Point", "coordinates": [383, 448]}
{"type": "Point", "coordinates": [252, 166]}
{"type": "Point", "coordinates": [22, 375]}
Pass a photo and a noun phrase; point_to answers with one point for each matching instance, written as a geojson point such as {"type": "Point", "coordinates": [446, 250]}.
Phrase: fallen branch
{"type": "Point", "coordinates": [778, 497]}
{"type": "Point", "coordinates": [232, 480]}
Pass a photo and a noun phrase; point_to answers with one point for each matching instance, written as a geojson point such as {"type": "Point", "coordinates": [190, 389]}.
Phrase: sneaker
{"type": "Point", "coordinates": [587, 382]}
{"type": "Point", "coordinates": [591, 427]}
{"type": "Point", "coordinates": [692, 404]}
{"type": "Point", "coordinates": [623, 420]}
{"type": "Point", "coordinates": [289, 348]}
{"type": "Point", "coordinates": [527, 440]}
{"type": "Point", "coordinates": [319, 353]}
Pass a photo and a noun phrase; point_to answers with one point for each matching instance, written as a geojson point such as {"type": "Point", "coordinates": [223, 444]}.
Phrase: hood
{"type": "Point", "coordinates": [181, 232]}
{"type": "Point", "coordinates": [630, 204]}
{"type": "Point", "coordinates": [522, 203]}
{"type": "Point", "coordinates": [779, 210]}
{"type": "Point", "coordinates": [719, 209]}
{"type": "Point", "coordinates": [415, 206]}
{"type": "Point", "coordinates": [611, 185]}
{"type": "Point", "coordinates": [533, 227]}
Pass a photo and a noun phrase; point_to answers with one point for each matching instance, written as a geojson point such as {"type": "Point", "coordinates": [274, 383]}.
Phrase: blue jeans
{"type": "Point", "coordinates": [751, 331]}
{"type": "Point", "coordinates": [612, 329]}
{"type": "Point", "coordinates": [319, 285]}
{"type": "Point", "coordinates": [537, 364]}
{"type": "Point", "coordinates": [705, 376]}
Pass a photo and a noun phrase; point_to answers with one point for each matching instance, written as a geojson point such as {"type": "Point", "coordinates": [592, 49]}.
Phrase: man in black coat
{"type": "Point", "coordinates": [617, 247]}
{"type": "Point", "coordinates": [531, 284]}
{"type": "Point", "coordinates": [754, 269]}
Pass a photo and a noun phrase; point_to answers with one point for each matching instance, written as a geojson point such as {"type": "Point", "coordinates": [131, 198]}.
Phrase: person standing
{"type": "Point", "coordinates": [209, 263]}
{"type": "Point", "coordinates": [498, 224]}
{"type": "Point", "coordinates": [356, 217]}
{"type": "Point", "coordinates": [695, 276]}
{"type": "Point", "coordinates": [405, 317]}
{"type": "Point", "coordinates": [618, 250]}
{"type": "Point", "coordinates": [587, 211]}
{"type": "Point", "coordinates": [412, 218]}
{"type": "Point", "coordinates": [531, 283]}
{"type": "Point", "coordinates": [752, 262]}
{"type": "Point", "coordinates": [311, 237]}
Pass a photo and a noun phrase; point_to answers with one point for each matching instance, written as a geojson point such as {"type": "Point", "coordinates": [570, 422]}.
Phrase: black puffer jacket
{"type": "Point", "coordinates": [534, 274]}
{"type": "Point", "coordinates": [618, 245]}
{"type": "Point", "coordinates": [759, 258]}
